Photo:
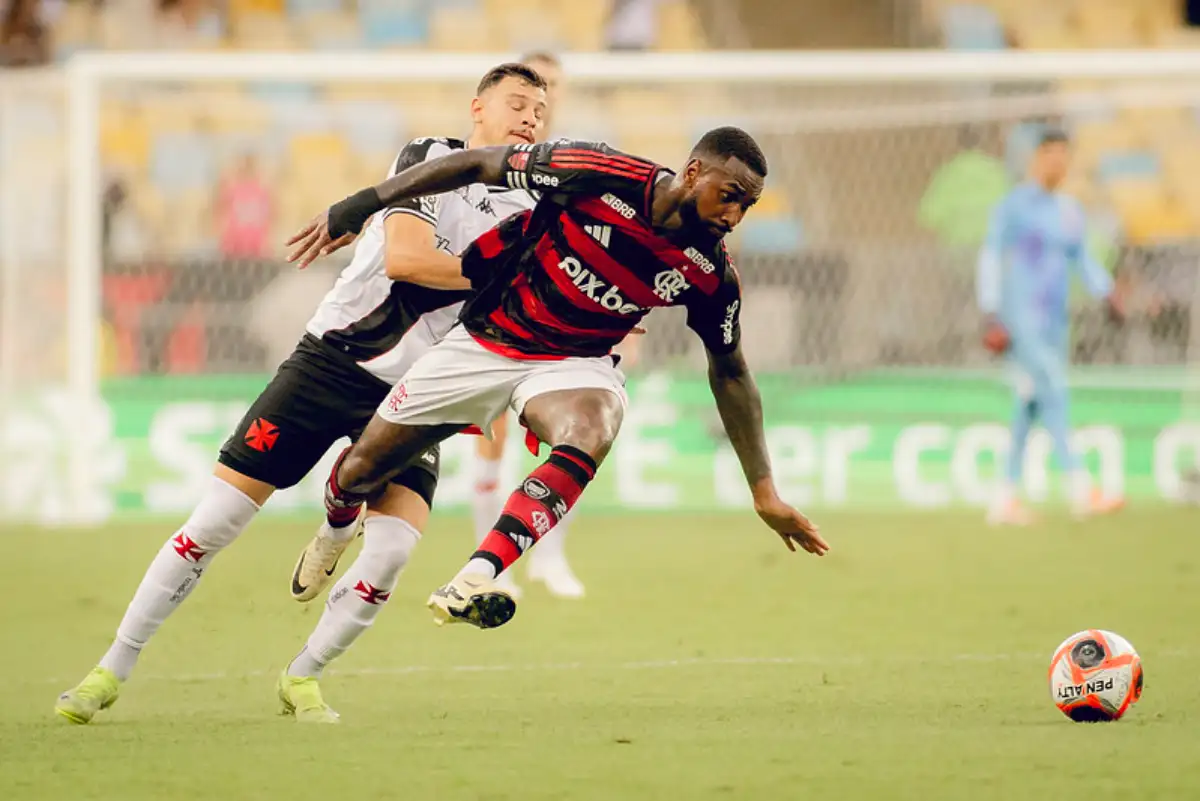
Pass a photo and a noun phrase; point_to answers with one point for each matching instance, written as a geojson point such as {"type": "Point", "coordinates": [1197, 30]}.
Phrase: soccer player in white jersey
{"type": "Point", "coordinates": [401, 292]}
{"type": "Point", "coordinates": [548, 562]}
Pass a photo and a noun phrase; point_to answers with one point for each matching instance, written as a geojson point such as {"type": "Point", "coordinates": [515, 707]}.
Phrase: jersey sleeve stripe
{"type": "Point", "coordinates": [615, 168]}
{"type": "Point", "coordinates": [612, 158]}
{"type": "Point", "coordinates": [620, 173]}
{"type": "Point", "coordinates": [490, 243]}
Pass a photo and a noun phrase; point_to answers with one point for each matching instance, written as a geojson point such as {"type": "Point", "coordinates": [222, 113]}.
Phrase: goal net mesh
{"type": "Point", "coordinates": [859, 258]}
{"type": "Point", "coordinates": [861, 255]}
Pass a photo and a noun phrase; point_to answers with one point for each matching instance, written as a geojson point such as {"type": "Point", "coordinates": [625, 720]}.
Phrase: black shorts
{"type": "Point", "coordinates": [317, 396]}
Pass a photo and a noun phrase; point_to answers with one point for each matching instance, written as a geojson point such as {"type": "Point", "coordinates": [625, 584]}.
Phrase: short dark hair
{"type": "Point", "coordinates": [729, 142]}
{"type": "Point", "coordinates": [510, 70]}
{"type": "Point", "coordinates": [541, 55]}
{"type": "Point", "coordinates": [1053, 136]}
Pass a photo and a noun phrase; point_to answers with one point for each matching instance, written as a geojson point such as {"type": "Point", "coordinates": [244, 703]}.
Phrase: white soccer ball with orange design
{"type": "Point", "coordinates": [1095, 676]}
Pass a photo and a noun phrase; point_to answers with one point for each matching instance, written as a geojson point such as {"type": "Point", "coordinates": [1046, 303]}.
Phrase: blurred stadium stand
{"type": "Point", "coordinates": [167, 149]}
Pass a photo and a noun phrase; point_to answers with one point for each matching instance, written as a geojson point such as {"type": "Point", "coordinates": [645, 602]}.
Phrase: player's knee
{"type": "Point", "coordinates": [222, 514]}
{"type": "Point", "coordinates": [591, 424]}
{"type": "Point", "coordinates": [388, 542]}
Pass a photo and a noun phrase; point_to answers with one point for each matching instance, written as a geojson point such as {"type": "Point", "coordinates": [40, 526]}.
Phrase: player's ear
{"type": "Point", "coordinates": [692, 171]}
{"type": "Point", "coordinates": [476, 110]}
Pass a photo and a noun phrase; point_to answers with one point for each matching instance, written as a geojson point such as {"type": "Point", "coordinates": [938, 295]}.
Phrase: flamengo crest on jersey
{"type": "Point", "coordinates": [384, 324]}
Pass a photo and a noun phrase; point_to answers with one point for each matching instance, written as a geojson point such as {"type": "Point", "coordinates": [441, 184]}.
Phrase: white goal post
{"type": "Point", "coordinates": [87, 75]}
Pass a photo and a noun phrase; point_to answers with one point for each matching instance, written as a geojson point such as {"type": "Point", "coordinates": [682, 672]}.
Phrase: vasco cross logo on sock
{"type": "Point", "coordinates": [187, 548]}
{"type": "Point", "coordinates": [371, 594]}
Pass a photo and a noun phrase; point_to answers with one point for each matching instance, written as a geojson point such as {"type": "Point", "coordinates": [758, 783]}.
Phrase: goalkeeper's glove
{"type": "Point", "coordinates": [995, 336]}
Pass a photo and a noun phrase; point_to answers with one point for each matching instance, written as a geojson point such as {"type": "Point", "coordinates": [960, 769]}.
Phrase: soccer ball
{"type": "Point", "coordinates": [1095, 676]}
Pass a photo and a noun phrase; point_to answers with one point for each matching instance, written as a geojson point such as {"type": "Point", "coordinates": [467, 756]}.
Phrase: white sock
{"type": "Point", "coordinates": [360, 594]}
{"type": "Point", "coordinates": [487, 502]}
{"type": "Point", "coordinates": [477, 566]}
{"type": "Point", "coordinates": [1079, 488]}
{"type": "Point", "coordinates": [221, 515]}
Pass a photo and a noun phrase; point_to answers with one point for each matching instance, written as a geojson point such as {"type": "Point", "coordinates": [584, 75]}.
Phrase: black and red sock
{"type": "Point", "coordinates": [542, 500]}
{"type": "Point", "coordinates": [341, 507]}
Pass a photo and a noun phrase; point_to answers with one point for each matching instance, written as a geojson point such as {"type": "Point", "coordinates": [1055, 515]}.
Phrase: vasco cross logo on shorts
{"type": "Point", "coordinates": [262, 435]}
{"type": "Point", "coordinates": [668, 284]}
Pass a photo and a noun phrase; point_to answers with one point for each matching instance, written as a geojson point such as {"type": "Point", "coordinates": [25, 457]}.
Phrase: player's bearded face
{"type": "Point", "coordinates": [719, 198]}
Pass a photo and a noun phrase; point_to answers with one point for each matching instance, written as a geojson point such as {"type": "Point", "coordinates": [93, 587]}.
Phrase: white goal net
{"type": "Point", "coordinates": [144, 201]}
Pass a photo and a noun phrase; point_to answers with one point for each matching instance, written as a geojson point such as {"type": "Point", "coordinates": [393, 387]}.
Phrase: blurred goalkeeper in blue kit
{"type": "Point", "coordinates": [1036, 240]}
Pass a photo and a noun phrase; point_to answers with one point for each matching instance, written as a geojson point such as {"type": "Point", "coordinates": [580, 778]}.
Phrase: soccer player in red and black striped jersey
{"type": "Point", "coordinates": [612, 237]}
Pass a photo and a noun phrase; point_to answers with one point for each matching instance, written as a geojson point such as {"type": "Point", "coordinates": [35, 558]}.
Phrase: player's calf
{"type": "Point", "coordinates": [222, 514]}
{"type": "Point", "coordinates": [581, 425]}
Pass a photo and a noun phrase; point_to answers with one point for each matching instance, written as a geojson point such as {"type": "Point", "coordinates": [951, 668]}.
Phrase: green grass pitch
{"type": "Point", "coordinates": [706, 663]}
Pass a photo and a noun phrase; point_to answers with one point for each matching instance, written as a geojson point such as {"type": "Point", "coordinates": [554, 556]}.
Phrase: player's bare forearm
{"type": "Point", "coordinates": [453, 171]}
{"type": "Point", "coordinates": [410, 255]}
{"type": "Point", "coordinates": [740, 407]}
{"type": "Point", "coordinates": [478, 165]}
{"type": "Point", "coordinates": [433, 270]}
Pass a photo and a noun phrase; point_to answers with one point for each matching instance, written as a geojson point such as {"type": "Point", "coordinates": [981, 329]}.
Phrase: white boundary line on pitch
{"type": "Point", "coordinates": [658, 664]}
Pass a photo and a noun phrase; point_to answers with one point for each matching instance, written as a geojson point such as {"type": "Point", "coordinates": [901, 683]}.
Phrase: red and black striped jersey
{"type": "Point", "coordinates": [573, 276]}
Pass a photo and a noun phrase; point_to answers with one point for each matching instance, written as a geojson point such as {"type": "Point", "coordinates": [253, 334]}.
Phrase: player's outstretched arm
{"type": "Point", "coordinates": [336, 227]}
{"type": "Point", "coordinates": [989, 280]}
{"type": "Point", "coordinates": [740, 407]}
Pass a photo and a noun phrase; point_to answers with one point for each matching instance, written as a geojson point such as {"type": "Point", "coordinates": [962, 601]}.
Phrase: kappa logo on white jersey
{"type": "Point", "coordinates": [594, 287]}
{"type": "Point", "coordinates": [727, 326]}
{"type": "Point", "coordinates": [699, 260]}
{"type": "Point", "coordinates": [429, 206]}
{"type": "Point", "coordinates": [600, 233]}
{"type": "Point", "coordinates": [619, 206]}
{"type": "Point", "coordinates": [668, 284]}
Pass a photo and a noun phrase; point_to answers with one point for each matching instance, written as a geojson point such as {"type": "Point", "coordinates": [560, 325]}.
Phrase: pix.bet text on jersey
{"type": "Point", "coordinates": [574, 276]}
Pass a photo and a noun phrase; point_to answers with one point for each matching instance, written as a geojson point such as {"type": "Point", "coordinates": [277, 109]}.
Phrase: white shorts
{"type": "Point", "coordinates": [460, 381]}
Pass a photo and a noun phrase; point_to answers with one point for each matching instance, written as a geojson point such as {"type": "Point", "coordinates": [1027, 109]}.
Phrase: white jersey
{"type": "Point", "coordinates": [383, 324]}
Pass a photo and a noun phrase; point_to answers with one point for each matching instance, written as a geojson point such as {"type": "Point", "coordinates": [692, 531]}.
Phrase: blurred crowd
{"type": "Point", "coordinates": [40, 31]}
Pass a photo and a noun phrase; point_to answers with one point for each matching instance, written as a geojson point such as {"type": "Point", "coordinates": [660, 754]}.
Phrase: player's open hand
{"type": "Point", "coordinates": [792, 526]}
{"type": "Point", "coordinates": [313, 241]}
